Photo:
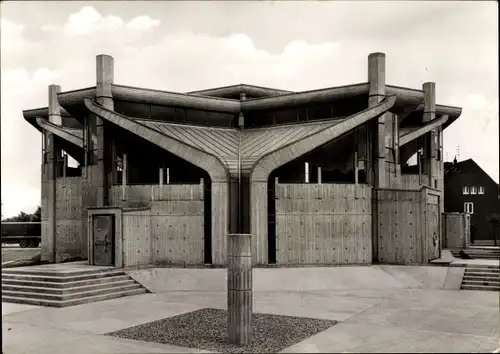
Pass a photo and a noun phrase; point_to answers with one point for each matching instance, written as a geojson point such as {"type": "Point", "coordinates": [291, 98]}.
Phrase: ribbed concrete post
{"type": "Point", "coordinates": [49, 249]}
{"type": "Point", "coordinates": [429, 114]}
{"type": "Point", "coordinates": [376, 94]}
{"type": "Point", "coordinates": [104, 96]}
{"type": "Point", "coordinates": [239, 289]}
{"type": "Point", "coordinates": [376, 133]}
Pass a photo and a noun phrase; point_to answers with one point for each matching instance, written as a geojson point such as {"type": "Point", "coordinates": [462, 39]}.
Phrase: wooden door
{"type": "Point", "coordinates": [104, 237]}
{"type": "Point", "coordinates": [433, 226]}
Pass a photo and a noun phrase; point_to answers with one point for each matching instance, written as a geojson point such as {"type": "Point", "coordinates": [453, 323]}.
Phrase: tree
{"type": "Point", "coordinates": [494, 220]}
{"type": "Point", "coordinates": [24, 217]}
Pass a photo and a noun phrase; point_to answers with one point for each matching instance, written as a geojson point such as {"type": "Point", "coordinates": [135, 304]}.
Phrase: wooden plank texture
{"type": "Point", "coordinates": [137, 237]}
{"type": "Point", "coordinates": [323, 224]}
{"type": "Point", "coordinates": [70, 241]}
{"type": "Point", "coordinates": [399, 226]}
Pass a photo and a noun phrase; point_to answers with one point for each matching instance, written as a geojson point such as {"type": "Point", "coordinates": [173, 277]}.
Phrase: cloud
{"type": "Point", "coordinates": [183, 59]}
{"type": "Point", "coordinates": [20, 142]}
{"type": "Point", "coordinates": [88, 20]}
{"type": "Point", "coordinates": [475, 134]}
{"type": "Point", "coordinates": [11, 36]}
{"type": "Point", "coordinates": [142, 23]}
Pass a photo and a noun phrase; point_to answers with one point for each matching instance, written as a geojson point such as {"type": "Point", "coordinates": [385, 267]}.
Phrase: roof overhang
{"type": "Point", "coordinates": [73, 101]}
{"type": "Point", "coordinates": [236, 90]}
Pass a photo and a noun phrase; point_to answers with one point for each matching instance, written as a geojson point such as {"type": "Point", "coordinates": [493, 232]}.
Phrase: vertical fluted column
{"type": "Point", "coordinates": [376, 132]}
{"type": "Point", "coordinates": [429, 114]}
{"type": "Point", "coordinates": [376, 80]}
{"type": "Point", "coordinates": [49, 250]}
{"type": "Point", "coordinates": [239, 289]}
{"type": "Point", "coordinates": [104, 96]}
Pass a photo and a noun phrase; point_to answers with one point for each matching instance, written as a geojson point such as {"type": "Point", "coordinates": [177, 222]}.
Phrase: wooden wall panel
{"type": "Point", "coordinates": [220, 222]}
{"type": "Point", "coordinates": [259, 222]}
{"type": "Point", "coordinates": [142, 195]}
{"type": "Point", "coordinates": [70, 241]}
{"type": "Point", "coordinates": [399, 226]}
{"type": "Point", "coordinates": [323, 224]}
{"type": "Point", "coordinates": [173, 227]}
{"type": "Point", "coordinates": [177, 229]}
{"type": "Point", "coordinates": [455, 230]}
{"type": "Point", "coordinates": [137, 242]}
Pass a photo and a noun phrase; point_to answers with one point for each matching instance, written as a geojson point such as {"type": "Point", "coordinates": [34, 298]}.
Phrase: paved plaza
{"type": "Point", "coordinates": [405, 310]}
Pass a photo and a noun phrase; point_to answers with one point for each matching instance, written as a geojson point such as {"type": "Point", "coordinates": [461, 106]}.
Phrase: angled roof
{"type": "Point", "coordinates": [236, 90]}
{"type": "Point", "coordinates": [224, 142]}
{"type": "Point", "coordinates": [466, 166]}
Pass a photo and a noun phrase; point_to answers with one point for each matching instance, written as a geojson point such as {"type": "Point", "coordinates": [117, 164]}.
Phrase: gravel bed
{"type": "Point", "coordinates": [206, 329]}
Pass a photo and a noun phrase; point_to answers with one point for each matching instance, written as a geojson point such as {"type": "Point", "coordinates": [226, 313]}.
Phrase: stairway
{"type": "Point", "coordinates": [479, 252]}
{"type": "Point", "coordinates": [481, 278]}
{"type": "Point", "coordinates": [59, 289]}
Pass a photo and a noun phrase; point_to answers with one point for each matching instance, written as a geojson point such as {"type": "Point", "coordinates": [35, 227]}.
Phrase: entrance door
{"type": "Point", "coordinates": [104, 240]}
{"type": "Point", "coordinates": [433, 231]}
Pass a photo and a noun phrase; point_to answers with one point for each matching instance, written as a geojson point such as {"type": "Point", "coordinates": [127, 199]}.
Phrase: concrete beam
{"type": "Point", "coordinates": [408, 137]}
{"type": "Point", "coordinates": [264, 166]}
{"type": "Point", "coordinates": [74, 136]}
{"type": "Point", "coordinates": [291, 100]}
{"type": "Point", "coordinates": [174, 99]}
{"type": "Point", "coordinates": [209, 163]}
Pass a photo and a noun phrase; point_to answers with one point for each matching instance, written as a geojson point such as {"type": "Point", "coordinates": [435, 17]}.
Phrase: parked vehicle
{"type": "Point", "coordinates": [26, 234]}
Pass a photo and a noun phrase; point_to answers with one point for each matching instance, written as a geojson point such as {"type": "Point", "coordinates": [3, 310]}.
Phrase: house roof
{"type": "Point", "coordinates": [465, 166]}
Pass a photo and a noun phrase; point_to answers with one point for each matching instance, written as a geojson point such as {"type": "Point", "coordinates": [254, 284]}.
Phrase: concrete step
{"type": "Point", "coordinates": [60, 279]}
{"type": "Point", "coordinates": [52, 272]}
{"type": "Point", "coordinates": [71, 296]}
{"type": "Point", "coordinates": [482, 254]}
{"type": "Point", "coordinates": [65, 303]}
{"type": "Point", "coordinates": [480, 287]}
{"type": "Point", "coordinates": [475, 256]}
{"type": "Point", "coordinates": [489, 269]}
{"type": "Point", "coordinates": [482, 278]}
{"type": "Point", "coordinates": [64, 285]}
{"type": "Point", "coordinates": [69, 290]}
{"type": "Point", "coordinates": [481, 282]}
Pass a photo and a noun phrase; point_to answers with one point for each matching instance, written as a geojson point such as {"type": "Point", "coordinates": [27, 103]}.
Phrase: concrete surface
{"type": "Point", "coordinates": [15, 253]}
{"type": "Point", "coordinates": [475, 262]}
{"type": "Point", "coordinates": [404, 311]}
{"type": "Point", "coordinates": [311, 278]}
{"type": "Point", "coordinates": [445, 259]}
{"type": "Point", "coordinates": [63, 268]}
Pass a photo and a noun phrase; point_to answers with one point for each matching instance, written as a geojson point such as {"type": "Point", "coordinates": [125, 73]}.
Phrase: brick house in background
{"type": "Point", "coordinates": [467, 188]}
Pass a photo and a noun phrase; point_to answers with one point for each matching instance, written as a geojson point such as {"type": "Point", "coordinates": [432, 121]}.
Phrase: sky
{"type": "Point", "coordinates": [293, 45]}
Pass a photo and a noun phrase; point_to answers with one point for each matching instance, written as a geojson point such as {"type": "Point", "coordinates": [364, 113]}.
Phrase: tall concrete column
{"type": "Point", "coordinates": [52, 152]}
{"type": "Point", "coordinates": [376, 94]}
{"type": "Point", "coordinates": [239, 289]}
{"type": "Point", "coordinates": [104, 96]}
{"type": "Point", "coordinates": [376, 132]}
{"type": "Point", "coordinates": [429, 114]}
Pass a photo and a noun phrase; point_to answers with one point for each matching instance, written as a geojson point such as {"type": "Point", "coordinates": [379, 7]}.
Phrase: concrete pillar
{"type": "Point", "coordinates": [49, 238]}
{"type": "Point", "coordinates": [319, 175]}
{"type": "Point", "coordinates": [376, 93]}
{"type": "Point", "coordinates": [104, 96]}
{"type": "Point", "coordinates": [239, 289]}
{"type": "Point", "coordinates": [429, 114]}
